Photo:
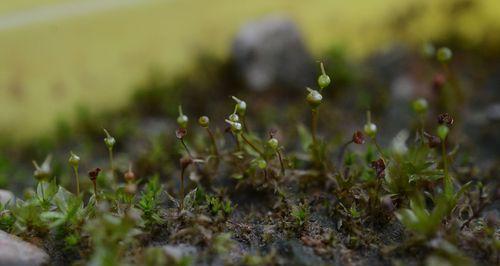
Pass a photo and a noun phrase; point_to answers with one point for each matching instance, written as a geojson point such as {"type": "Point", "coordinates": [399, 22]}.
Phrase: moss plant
{"type": "Point", "coordinates": [74, 161]}
{"type": "Point", "coordinates": [375, 205]}
{"type": "Point", "coordinates": [110, 143]}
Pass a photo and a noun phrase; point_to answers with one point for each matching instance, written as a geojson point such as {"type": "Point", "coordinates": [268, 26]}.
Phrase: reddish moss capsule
{"type": "Point", "coordinates": [358, 137]}
{"type": "Point", "coordinates": [445, 118]}
{"type": "Point", "coordinates": [94, 173]}
{"type": "Point", "coordinates": [379, 167]}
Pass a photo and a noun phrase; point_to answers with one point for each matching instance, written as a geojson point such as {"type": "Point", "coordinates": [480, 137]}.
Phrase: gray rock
{"type": "Point", "coordinates": [6, 196]}
{"type": "Point", "coordinates": [15, 252]}
{"type": "Point", "coordinates": [176, 252]}
{"type": "Point", "coordinates": [271, 52]}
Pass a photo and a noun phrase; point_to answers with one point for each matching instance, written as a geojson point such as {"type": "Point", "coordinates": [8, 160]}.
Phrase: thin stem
{"type": "Point", "coordinates": [244, 122]}
{"type": "Point", "coordinates": [342, 153]}
{"type": "Point", "coordinates": [446, 179]}
{"type": "Point", "coordinates": [186, 148]}
{"type": "Point", "coordinates": [181, 202]}
{"type": "Point", "coordinates": [314, 123]}
{"type": "Point", "coordinates": [42, 189]}
{"type": "Point", "coordinates": [251, 145]}
{"type": "Point", "coordinates": [111, 162]}
{"type": "Point", "coordinates": [95, 190]}
{"type": "Point", "coordinates": [282, 165]}
{"type": "Point", "coordinates": [379, 149]}
{"type": "Point", "coordinates": [77, 179]}
{"type": "Point", "coordinates": [421, 120]}
{"type": "Point", "coordinates": [214, 144]}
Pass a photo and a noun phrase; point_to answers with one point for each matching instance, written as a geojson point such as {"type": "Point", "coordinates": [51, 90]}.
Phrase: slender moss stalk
{"type": "Point", "coordinates": [314, 124]}
{"type": "Point", "coordinates": [214, 143]}
{"type": "Point", "coordinates": [77, 179]}
{"type": "Point", "coordinates": [446, 181]}
{"type": "Point", "coordinates": [282, 165]}
{"type": "Point", "coordinates": [182, 189]}
{"type": "Point", "coordinates": [252, 145]}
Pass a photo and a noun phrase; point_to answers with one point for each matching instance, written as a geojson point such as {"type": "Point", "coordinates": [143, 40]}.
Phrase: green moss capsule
{"type": "Point", "coordinates": [442, 132]}
{"type": "Point", "coordinates": [370, 129]}
{"type": "Point", "coordinates": [261, 163]}
{"type": "Point", "coordinates": [109, 140]}
{"type": "Point", "coordinates": [203, 121]}
{"type": "Point", "coordinates": [234, 118]}
{"type": "Point", "coordinates": [182, 119]}
{"type": "Point", "coordinates": [444, 54]}
{"type": "Point", "coordinates": [314, 98]}
{"type": "Point", "coordinates": [236, 127]}
{"type": "Point", "coordinates": [241, 106]}
{"type": "Point", "coordinates": [420, 106]}
{"type": "Point", "coordinates": [74, 160]}
{"type": "Point", "coordinates": [323, 79]}
{"type": "Point", "coordinates": [273, 143]}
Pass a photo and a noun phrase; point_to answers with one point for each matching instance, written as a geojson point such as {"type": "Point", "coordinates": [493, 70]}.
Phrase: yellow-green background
{"type": "Point", "coordinates": [94, 59]}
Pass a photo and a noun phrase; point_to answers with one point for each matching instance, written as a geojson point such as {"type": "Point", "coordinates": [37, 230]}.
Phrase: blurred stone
{"type": "Point", "coordinates": [6, 196]}
{"type": "Point", "coordinates": [14, 252]}
{"type": "Point", "coordinates": [175, 253]}
{"type": "Point", "coordinates": [493, 112]}
{"type": "Point", "coordinates": [271, 52]}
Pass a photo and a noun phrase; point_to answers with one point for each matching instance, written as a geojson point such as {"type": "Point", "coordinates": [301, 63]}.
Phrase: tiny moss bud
{"type": "Point", "coordinates": [236, 127]}
{"type": "Point", "coordinates": [420, 106]}
{"type": "Point", "coordinates": [261, 163]}
{"type": "Point", "coordinates": [109, 140]}
{"type": "Point", "coordinates": [241, 106]}
{"type": "Point", "coordinates": [444, 54]}
{"type": "Point", "coordinates": [234, 118]}
{"type": "Point", "coordinates": [203, 121]}
{"type": "Point", "coordinates": [182, 119]}
{"type": "Point", "coordinates": [44, 172]}
{"type": "Point", "coordinates": [314, 98]}
{"type": "Point", "coordinates": [442, 132]}
{"type": "Point", "coordinates": [323, 79]}
{"type": "Point", "coordinates": [428, 50]}
{"type": "Point", "coordinates": [370, 129]}
{"type": "Point", "coordinates": [273, 143]}
{"type": "Point", "coordinates": [74, 160]}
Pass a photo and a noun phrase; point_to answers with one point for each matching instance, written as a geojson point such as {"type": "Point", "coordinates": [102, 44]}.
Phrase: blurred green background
{"type": "Point", "coordinates": [59, 54]}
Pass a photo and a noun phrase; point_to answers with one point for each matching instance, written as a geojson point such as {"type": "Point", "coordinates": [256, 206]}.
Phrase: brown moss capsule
{"type": "Point", "coordinates": [438, 81]}
{"type": "Point", "coordinates": [94, 173]}
{"type": "Point", "coordinates": [379, 167]}
{"type": "Point", "coordinates": [180, 133]}
{"type": "Point", "coordinates": [358, 137]}
{"type": "Point", "coordinates": [445, 118]}
{"type": "Point", "coordinates": [129, 176]}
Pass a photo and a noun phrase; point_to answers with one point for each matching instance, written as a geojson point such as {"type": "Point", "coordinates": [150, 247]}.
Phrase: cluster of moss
{"type": "Point", "coordinates": [122, 218]}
